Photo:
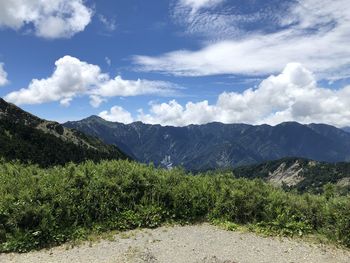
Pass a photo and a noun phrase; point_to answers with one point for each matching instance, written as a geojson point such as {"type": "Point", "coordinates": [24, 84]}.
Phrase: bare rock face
{"type": "Point", "coordinates": [344, 182]}
{"type": "Point", "coordinates": [301, 174]}
{"type": "Point", "coordinates": [286, 175]}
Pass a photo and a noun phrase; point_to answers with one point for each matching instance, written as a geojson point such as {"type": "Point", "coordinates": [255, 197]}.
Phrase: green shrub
{"type": "Point", "coordinates": [43, 207]}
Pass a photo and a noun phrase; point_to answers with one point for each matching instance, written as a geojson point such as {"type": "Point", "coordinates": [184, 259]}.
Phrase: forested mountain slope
{"type": "Point", "coordinates": [28, 138]}
{"type": "Point", "coordinates": [301, 174]}
{"type": "Point", "coordinates": [217, 145]}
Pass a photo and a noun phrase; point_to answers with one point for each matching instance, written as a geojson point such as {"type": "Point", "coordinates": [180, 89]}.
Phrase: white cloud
{"type": "Point", "coordinates": [315, 33]}
{"type": "Point", "coordinates": [72, 78]}
{"type": "Point", "coordinates": [117, 114]}
{"type": "Point", "coordinates": [49, 19]}
{"type": "Point", "coordinates": [66, 102]}
{"type": "Point", "coordinates": [3, 75]}
{"type": "Point", "coordinates": [109, 24]}
{"type": "Point", "coordinates": [174, 114]}
{"type": "Point", "coordinates": [213, 19]}
{"type": "Point", "coordinates": [96, 101]}
{"type": "Point", "coordinates": [292, 95]}
{"type": "Point", "coordinates": [198, 4]}
{"type": "Point", "coordinates": [108, 61]}
{"type": "Point", "coordinates": [120, 87]}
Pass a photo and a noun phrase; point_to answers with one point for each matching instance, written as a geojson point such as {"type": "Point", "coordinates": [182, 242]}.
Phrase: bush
{"type": "Point", "coordinates": [43, 207]}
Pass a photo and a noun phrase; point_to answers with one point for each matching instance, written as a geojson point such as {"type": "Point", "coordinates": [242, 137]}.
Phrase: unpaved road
{"type": "Point", "coordinates": [199, 243]}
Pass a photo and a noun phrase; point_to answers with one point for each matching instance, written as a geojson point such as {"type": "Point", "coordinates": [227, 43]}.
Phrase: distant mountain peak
{"type": "Point", "coordinates": [93, 119]}
{"type": "Point", "coordinates": [289, 123]}
{"type": "Point", "coordinates": [346, 129]}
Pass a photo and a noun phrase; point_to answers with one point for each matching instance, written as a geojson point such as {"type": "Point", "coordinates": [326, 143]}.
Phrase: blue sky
{"type": "Point", "coordinates": [178, 62]}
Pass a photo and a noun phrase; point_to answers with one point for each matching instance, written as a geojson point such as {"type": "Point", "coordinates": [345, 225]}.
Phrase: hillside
{"type": "Point", "coordinates": [301, 174]}
{"type": "Point", "coordinates": [217, 145]}
{"type": "Point", "coordinates": [28, 138]}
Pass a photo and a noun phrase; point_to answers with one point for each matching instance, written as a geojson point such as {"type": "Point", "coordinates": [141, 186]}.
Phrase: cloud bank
{"type": "Point", "coordinates": [315, 33]}
{"type": "Point", "coordinates": [72, 78]}
{"type": "Point", "coordinates": [292, 95]}
{"type": "Point", "coordinates": [49, 19]}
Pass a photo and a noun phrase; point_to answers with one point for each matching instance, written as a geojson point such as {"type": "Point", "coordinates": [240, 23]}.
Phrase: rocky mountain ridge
{"type": "Point", "coordinates": [301, 174]}
{"type": "Point", "coordinates": [217, 145]}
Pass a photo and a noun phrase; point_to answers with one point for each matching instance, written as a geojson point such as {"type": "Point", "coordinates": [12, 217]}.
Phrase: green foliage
{"type": "Point", "coordinates": [227, 225]}
{"type": "Point", "coordinates": [43, 207]}
{"type": "Point", "coordinates": [329, 190]}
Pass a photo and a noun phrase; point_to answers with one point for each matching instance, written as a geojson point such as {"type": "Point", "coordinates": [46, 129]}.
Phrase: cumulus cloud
{"type": "Point", "coordinates": [292, 95]}
{"type": "Point", "coordinates": [3, 75]}
{"type": "Point", "coordinates": [312, 32]}
{"type": "Point", "coordinates": [72, 78]}
{"type": "Point", "coordinates": [174, 114]}
{"type": "Point", "coordinates": [117, 114]}
{"type": "Point", "coordinates": [49, 19]}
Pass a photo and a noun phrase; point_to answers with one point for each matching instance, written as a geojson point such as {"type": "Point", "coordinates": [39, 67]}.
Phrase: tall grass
{"type": "Point", "coordinates": [42, 207]}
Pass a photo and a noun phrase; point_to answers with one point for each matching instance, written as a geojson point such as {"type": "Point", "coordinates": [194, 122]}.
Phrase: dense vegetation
{"type": "Point", "coordinates": [27, 144]}
{"type": "Point", "coordinates": [316, 174]}
{"type": "Point", "coordinates": [41, 207]}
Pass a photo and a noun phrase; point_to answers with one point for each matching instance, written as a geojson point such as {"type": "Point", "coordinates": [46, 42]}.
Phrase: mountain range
{"type": "Point", "coordinates": [251, 151]}
{"type": "Point", "coordinates": [27, 138]}
{"type": "Point", "coordinates": [217, 145]}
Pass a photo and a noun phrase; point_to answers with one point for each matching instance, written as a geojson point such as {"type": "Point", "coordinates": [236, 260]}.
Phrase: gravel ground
{"type": "Point", "coordinates": [198, 243]}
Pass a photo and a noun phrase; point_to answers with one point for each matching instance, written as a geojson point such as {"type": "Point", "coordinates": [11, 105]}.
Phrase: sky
{"type": "Point", "coordinates": [178, 62]}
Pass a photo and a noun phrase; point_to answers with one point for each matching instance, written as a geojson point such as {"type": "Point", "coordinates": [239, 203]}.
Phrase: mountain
{"type": "Point", "coordinates": [217, 145]}
{"type": "Point", "coordinates": [28, 138]}
{"type": "Point", "coordinates": [347, 129]}
{"type": "Point", "coordinates": [298, 173]}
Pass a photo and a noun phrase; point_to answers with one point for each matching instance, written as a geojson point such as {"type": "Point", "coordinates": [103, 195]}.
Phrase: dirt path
{"type": "Point", "coordinates": [200, 243]}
